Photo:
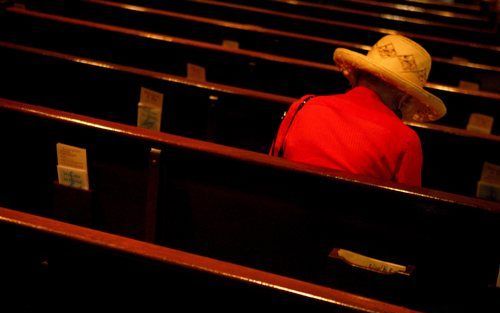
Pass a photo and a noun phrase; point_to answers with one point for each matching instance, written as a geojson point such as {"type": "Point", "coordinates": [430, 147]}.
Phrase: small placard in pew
{"type": "Point", "coordinates": [196, 72]}
{"type": "Point", "coordinates": [230, 44]}
{"type": "Point", "coordinates": [73, 177]}
{"type": "Point", "coordinates": [71, 156]}
{"type": "Point", "coordinates": [370, 264]}
{"type": "Point", "coordinates": [489, 185]}
{"type": "Point", "coordinates": [72, 166]}
{"type": "Point", "coordinates": [149, 109]}
{"type": "Point", "coordinates": [480, 123]}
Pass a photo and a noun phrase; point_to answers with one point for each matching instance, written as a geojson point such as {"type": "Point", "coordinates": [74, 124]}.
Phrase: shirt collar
{"type": "Point", "coordinates": [369, 99]}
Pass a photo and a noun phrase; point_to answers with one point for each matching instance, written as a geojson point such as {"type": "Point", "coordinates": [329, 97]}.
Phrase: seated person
{"type": "Point", "coordinates": [361, 131]}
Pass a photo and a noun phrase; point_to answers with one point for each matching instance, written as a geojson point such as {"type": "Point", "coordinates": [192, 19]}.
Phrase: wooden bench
{"type": "Point", "coordinates": [252, 37]}
{"type": "Point", "coordinates": [437, 46]}
{"type": "Point", "coordinates": [53, 266]}
{"type": "Point", "coordinates": [409, 10]}
{"type": "Point", "coordinates": [256, 210]}
{"type": "Point", "coordinates": [248, 69]}
{"type": "Point", "coordinates": [429, 27]}
{"type": "Point", "coordinates": [223, 114]}
{"type": "Point", "coordinates": [473, 9]}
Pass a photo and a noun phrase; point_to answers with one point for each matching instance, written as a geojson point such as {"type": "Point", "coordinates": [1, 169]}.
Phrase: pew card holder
{"type": "Point", "coordinates": [369, 276]}
{"type": "Point", "coordinates": [72, 205]}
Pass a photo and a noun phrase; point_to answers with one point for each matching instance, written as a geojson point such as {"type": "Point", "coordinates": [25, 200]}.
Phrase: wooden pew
{"type": "Point", "coordinates": [264, 212]}
{"type": "Point", "coordinates": [256, 38]}
{"type": "Point", "coordinates": [409, 10]}
{"type": "Point", "coordinates": [474, 9]}
{"type": "Point", "coordinates": [249, 69]}
{"type": "Point", "coordinates": [223, 114]}
{"type": "Point", "coordinates": [437, 46]}
{"type": "Point", "coordinates": [430, 27]}
{"type": "Point", "coordinates": [55, 264]}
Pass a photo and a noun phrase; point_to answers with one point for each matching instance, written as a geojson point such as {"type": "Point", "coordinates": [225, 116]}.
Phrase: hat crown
{"type": "Point", "coordinates": [402, 56]}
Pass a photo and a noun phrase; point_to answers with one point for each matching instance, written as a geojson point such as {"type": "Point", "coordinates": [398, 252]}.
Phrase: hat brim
{"type": "Point", "coordinates": [423, 106]}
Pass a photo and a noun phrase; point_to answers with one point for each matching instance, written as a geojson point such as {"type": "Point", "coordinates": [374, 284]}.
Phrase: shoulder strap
{"type": "Point", "coordinates": [278, 148]}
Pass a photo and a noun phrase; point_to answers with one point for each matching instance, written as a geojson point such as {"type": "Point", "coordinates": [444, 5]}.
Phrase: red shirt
{"type": "Point", "coordinates": [353, 132]}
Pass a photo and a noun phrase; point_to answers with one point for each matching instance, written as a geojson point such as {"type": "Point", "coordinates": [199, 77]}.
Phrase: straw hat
{"type": "Point", "coordinates": [401, 63]}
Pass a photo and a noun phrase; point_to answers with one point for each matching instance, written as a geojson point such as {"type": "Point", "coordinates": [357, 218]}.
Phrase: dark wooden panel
{"type": "Point", "coordinates": [256, 38]}
{"type": "Point", "coordinates": [397, 23]}
{"type": "Point", "coordinates": [479, 53]}
{"type": "Point", "coordinates": [236, 117]}
{"type": "Point", "coordinates": [247, 69]}
{"type": "Point", "coordinates": [407, 9]}
{"type": "Point", "coordinates": [61, 267]}
{"type": "Point", "coordinates": [272, 214]}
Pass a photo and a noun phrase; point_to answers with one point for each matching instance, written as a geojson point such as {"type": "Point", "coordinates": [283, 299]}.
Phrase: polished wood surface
{"type": "Point", "coordinates": [407, 9]}
{"type": "Point", "coordinates": [257, 38]}
{"type": "Point", "coordinates": [193, 189]}
{"type": "Point", "coordinates": [213, 199]}
{"type": "Point", "coordinates": [264, 73]}
{"type": "Point", "coordinates": [420, 26]}
{"type": "Point", "coordinates": [43, 237]}
{"type": "Point", "coordinates": [111, 91]}
{"type": "Point", "coordinates": [443, 47]}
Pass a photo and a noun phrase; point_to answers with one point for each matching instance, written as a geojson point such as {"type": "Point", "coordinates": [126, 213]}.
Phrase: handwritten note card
{"type": "Point", "coordinates": [72, 177]}
{"type": "Point", "coordinates": [150, 109]}
{"type": "Point", "coordinates": [196, 72]}
{"type": "Point", "coordinates": [151, 97]}
{"type": "Point", "coordinates": [368, 263]}
{"type": "Point", "coordinates": [72, 166]}
{"type": "Point", "coordinates": [480, 123]}
{"type": "Point", "coordinates": [491, 173]}
{"type": "Point", "coordinates": [71, 156]}
{"type": "Point", "coordinates": [489, 185]}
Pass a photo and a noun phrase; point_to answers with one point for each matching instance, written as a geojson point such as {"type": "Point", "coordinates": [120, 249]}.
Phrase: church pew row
{"type": "Point", "coordinates": [55, 264]}
{"type": "Point", "coordinates": [474, 9]}
{"type": "Point", "coordinates": [243, 68]}
{"type": "Point", "coordinates": [408, 10]}
{"type": "Point", "coordinates": [257, 211]}
{"type": "Point", "coordinates": [223, 114]}
{"type": "Point", "coordinates": [442, 47]}
{"type": "Point", "coordinates": [170, 54]}
{"type": "Point", "coordinates": [256, 38]}
{"type": "Point", "coordinates": [397, 23]}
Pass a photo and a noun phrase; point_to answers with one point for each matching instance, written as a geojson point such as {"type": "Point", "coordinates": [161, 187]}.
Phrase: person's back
{"type": "Point", "coordinates": [355, 132]}
{"type": "Point", "coordinates": [361, 131]}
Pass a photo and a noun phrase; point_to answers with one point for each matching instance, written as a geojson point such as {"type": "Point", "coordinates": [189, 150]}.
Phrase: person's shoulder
{"type": "Point", "coordinates": [410, 136]}
{"type": "Point", "coordinates": [325, 101]}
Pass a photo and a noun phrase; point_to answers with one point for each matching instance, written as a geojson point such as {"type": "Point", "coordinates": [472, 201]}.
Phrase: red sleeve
{"type": "Point", "coordinates": [285, 125]}
{"type": "Point", "coordinates": [410, 168]}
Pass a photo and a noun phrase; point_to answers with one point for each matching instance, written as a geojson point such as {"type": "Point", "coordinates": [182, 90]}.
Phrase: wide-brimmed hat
{"type": "Point", "coordinates": [402, 63]}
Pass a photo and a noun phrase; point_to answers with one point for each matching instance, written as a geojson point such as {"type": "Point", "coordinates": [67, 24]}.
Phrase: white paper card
{"type": "Point", "coordinates": [480, 123]}
{"type": "Point", "coordinates": [73, 177]}
{"type": "Point", "coordinates": [149, 116]}
{"type": "Point", "coordinates": [230, 44]}
{"type": "Point", "coordinates": [368, 263]}
{"type": "Point", "coordinates": [151, 97]}
{"type": "Point", "coordinates": [71, 156]}
{"type": "Point", "coordinates": [196, 72]}
{"type": "Point", "coordinates": [488, 191]}
{"type": "Point", "coordinates": [491, 173]}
